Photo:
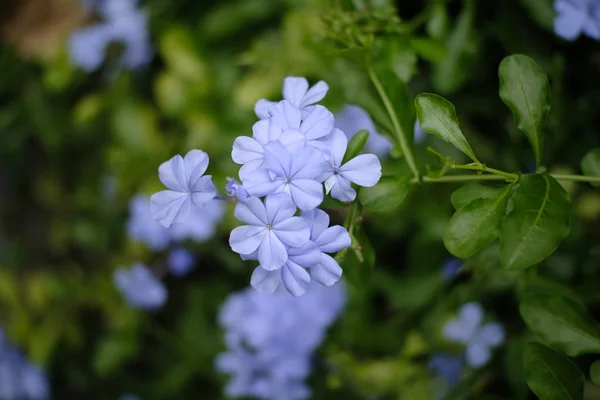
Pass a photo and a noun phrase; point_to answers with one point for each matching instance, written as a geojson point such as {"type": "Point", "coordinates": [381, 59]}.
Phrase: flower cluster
{"type": "Point", "coordinates": [575, 17]}
{"type": "Point", "coordinates": [294, 155]}
{"type": "Point", "coordinates": [468, 329]}
{"type": "Point", "coordinates": [140, 287]}
{"type": "Point", "coordinates": [19, 379]}
{"type": "Point", "coordinates": [271, 338]}
{"type": "Point", "coordinates": [121, 23]}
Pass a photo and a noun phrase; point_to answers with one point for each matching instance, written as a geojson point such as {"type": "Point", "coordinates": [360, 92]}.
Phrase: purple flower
{"type": "Point", "coordinates": [270, 228]}
{"type": "Point", "coordinates": [447, 367]}
{"type": "Point", "coordinates": [364, 170]}
{"type": "Point", "coordinates": [180, 262]}
{"type": "Point", "coordinates": [450, 268]}
{"type": "Point", "coordinates": [187, 186]}
{"type": "Point", "coordinates": [235, 189]}
{"type": "Point", "coordinates": [478, 338]}
{"type": "Point", "coordinates": [122, 23]}
{"type": "Point", "coordinates": [140, 287]}
{"type": "Point", "coordinates": [577, 16]}
{"type": "Point", "coordinates": [297, 92]}
{"type": "Point", "coordinates": [352, 119]}
{"type": "Point", "coordinates": [143, 228]}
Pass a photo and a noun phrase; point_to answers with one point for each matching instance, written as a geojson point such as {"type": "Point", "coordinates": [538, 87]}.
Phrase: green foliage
{"type": "Point", "coordinates": [473, 191]}
{"type": "Point", "coordinates": [525, 90]}
{"type": "Point", "coordinates": [590, 164]}
{"type": "Point", "coordinates": [550, 375]}
{"type": "Point", "coordinates": [355, 145]}
{"type": "Point", "coordinates": [595, 372]}
{"type": "Point", "coordinates": [438, 117]}
{"type": "Point", "coordinates": [388, 194]}
{"type": "Point", "coordinates": [537, 223]}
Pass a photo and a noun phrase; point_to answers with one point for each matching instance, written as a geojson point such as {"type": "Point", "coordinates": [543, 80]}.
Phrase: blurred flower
{"type": "Point", "coordinates": [180, 262]}
{"type": "Point", "coordinates": [143, 228]}
{"type": "Point", "coordinates": [129, 397]}
{"type": "Point", "coordinates": [122, 23]}
{"type": "Point", "coordinates": [352, 119]}
{"type": "Point", "coordinates": [270, 339]}
{"type": "Point", "coordinates": [419, 133]}
{"type": "Point", "coordinates": [447, 367]}
{"type": "Point", "coordinates": [297, 92]}
{"type": "Point", "coordinates": [577, 16]}
{"type": "Point", "coordinates": [450, 268]}
{"type": "Point", "coordinates": [363, 170]}
{"type": "Point", "coordinates": [188, 188]}
{"type": "Point", "coordinates": [271, 227]}
{"type": "Point", "coordinates": [140, 287]}
{"type": "Point", "coordinates": [19, 379]}
{"type": "Point", "coordinates": [201, 224]}
{"type": "Point", "coordinates": [478, 338]}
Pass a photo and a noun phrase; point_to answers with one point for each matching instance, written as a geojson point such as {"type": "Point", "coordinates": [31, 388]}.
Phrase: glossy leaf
{"type": "Point", "coordinates": [356, 144]}
{"type": "Point", "coordinates": [438, 117]}
{"type": "Point", "coordinates": [537, 223]}
{"type": "Point", "coordinates": [550, 375]}
{"type": "Point", "coordinates": [476, 225]}
{"type": "Point", "coordinates": [524, 88]}
{"type": "Point", "coordinates": [590, 164]}
{"type": "Point", "coordinates": [388, 194]}
{"type": "Point", "coordinates": [562, 324]}
{"type": "Point", "coordinates": [473, 191]}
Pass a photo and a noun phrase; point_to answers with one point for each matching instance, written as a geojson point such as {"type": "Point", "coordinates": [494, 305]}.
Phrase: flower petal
{"type": "Point", "coordinates": [318, 123]}
{"type": "Point", "coordinates": [455, 332]}
{"type": "Point", "coordinates": [195, 164]}
{"type": "Point", "coordinates": [295, 278]}
{"type": "Point", "coordinates": [334, 239]}
{"type": "Point", "coordinates": [279, 207]}
{"type": "Point", "coordinates": [491, 334]}
{"type": "Point", "coordinates": [203, 191]}
{"type": "Point", "coordinates": [314, 94]}
{"type": "Point", "coordinates": [294, 89]}
{"type": "Point", "coordinates": [272, 254]}
{"type": "Point", "coordinates": [261, 109]}
{"type": "Point", "coordinates": [172, 174]}
{"type": "Point", "coordinates": [342, 190]}
{"type": "Point", "coordinates": [278, 159]}
{"type": "Point", "coordinates": [306, 255]}
{"type": "Point", "coordinates": [265, 131]}
{"type": "Point", "coordinates": [477, 354]}
{"type": "Point", "coordinates": [251, 211]}
{"type": "Point", "coordinates": [285, 115]}
{"type": "Point", "coordinates": [246, 239]}
{"type": "Point", "coordinates": [338, 145]}
{"type": "Point", "coordinates": [568, 24]}
{"type": "Point", "coordinates": [293, 231]}
{"type": "Point", "coordinates": [471, 316]}
{"type": "Point", "coordinates": [307, 163]}
{"type": "Point", "coordinates": [246, 149]}
{"type": "Point", "coordinates": [364, 170]}
{"type": "Point", "coordinates": [265, 281]}
{"type": "Point", "coordinates": [318, 221]}
{"type": "Point", "coordinates": [259, 183]}
{"type": "Point", "coordinates": [306, 193]}
{"type": "Point", "coordinates": [327, 272]}
{"type": "Point", "coordinates": [169, 207]}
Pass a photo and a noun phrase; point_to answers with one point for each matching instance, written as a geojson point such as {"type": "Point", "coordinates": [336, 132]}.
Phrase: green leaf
{"type": "Point", "coordinates": [595, 372]}
{"type": "Point", "coordinates": [356, 144]}
{"type": "Point", "coordinates": [541, 11]}
{"type": "Point", "coordinates": [550, 375]}
{"type": "Point", "coordinates": [399, 56]}
{"type": "Point", "coordinates": [387, 195]}
{"type": "Point", "coordinates": [561, 323]}
{"type": "Point", "coordinates": [590, 164]}
{"type": "Point", "coordinates": [537, 223]}
{"type": "Point", "coordinates": [438, 117]}
{"type": "Point", "coordinates": [437, 26]}
{"type": "Point", "coordinates": [449, 75]}
{"type": "Point", "coordinates": [476, 225]}
{"type": "Point", "coordinates": [524, 88]}
{"type": "Point", "coordinates": [429, 49]}
{"type": "Point", "coordinates": [473, 191]}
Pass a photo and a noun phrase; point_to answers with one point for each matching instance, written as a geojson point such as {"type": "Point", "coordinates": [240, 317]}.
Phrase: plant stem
{"type": "Point", "coordinates": [461, 178]}
{"type": "Point", "coordinates": [483, 168]}
{"type": "Point", "coordinates": [396, 125]}
{"type": "Point", "coordinates": [578, 178]}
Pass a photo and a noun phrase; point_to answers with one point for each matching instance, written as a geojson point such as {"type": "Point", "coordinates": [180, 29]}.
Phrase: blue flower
{"type": "Point", "coordinates": [447, 367]}
{"type": "Point", "coordinates": [297, 92]}
{"type": "Point", "coordinates": [180, 262]}
{"type": "Point", "coordinates": [419, 133]}
{"type": "Point", "coordinates": [270, 340]}
{"type": "Point", "coordinates": [201, 224]}
{"type": "Point", "coordinates": [143, 228]}
{"type": "Point", "coordinates": [328, 240]}
{"type": "Point", "coordinates": [20, 379]}
{"type": "Point", "coordinates": [235, 189]}
{"type": "Point", "coordinates": [351, 119]}
{"type": "Point", "coordinates": [577, 16]}
{"type": "Point", "coordinates": [140, 287]}
{"type": "Point", "coordinates": [188, 188]}
{"type": "Point", "coordinates": [122, 23]}
{"type": "Point", "coordinates": [315, 125]}
{"type": "Point", "coordinates": [364, 170]}
{"type": "Point", "coordinates": [271, 227]}
{"type": "Point", "coordinates": [294, 174]}
{"type": "Point", "coordinates": [129, 397]}
{"type": "Point", "coordinates": [478, 338]}
{"type": "Point", "coordinates": [450, 268]}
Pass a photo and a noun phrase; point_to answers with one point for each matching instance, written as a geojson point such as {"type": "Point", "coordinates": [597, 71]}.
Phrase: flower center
{"type": "Point", "coordinates": [336, 171]}
{"type": "Point", "coordinates": [287, 180]}
{"type": "Point", "coordinates": [270, 227]}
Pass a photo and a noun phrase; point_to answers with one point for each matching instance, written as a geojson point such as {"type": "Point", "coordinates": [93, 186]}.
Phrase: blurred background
{"type": "Point", "coordinates": [96, 94]}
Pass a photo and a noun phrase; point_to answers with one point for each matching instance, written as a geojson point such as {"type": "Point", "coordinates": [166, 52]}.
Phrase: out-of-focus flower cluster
{"type": "Point", "coordinates": [271, 338]}
{"type": "Point", "coordinates": [575, 17]}
{"type": "Point", "coordinates": [294, 153]}
{"type": "Point", "coordinates": [19, 378]}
